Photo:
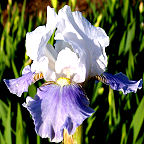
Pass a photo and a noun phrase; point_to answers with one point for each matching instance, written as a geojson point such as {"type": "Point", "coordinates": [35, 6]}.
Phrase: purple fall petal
{"type": "Point", "coordinates": [55, 108]}
{"type": "Point", "coordinates": [121, 82]}
{"type": "Point", "coordinates": [19, 85]}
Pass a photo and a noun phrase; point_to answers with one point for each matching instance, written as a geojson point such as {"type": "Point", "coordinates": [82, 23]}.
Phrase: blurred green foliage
{"type": "Point", "coordinates": [118, 118]}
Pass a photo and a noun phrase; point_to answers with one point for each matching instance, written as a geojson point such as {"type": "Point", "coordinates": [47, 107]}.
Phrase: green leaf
{"type": "Point", "coordinates": [98, 90]}
{"type": "Point", "coordinates": [77, 137]}
{"type": "Point", "coordinates": [140, 140]}
{"type": "Point", "coordinates": [3, 111]}
{"type": "Point", "coordinates": [3, 116]}
{"type": "Point", "coordinates": [2, 141]}
{"type": "Point", "coordinates": [19, 127]}
{"type": "Point", "coordinates": [7, 131]}
{"type": "Point", "coordinates": [20, 32]}
{"type": "Point", "coordinates": [125, 10]}
{"type": "Point", "coordinates": [15, 69]}
{"type": "Point", "coordinates": [142, 45]}
{"type": "Point", "coordinates": [122, 44]}
{"type": "Point", "coordinates": [138, 119]}
{"type": "Point", "coordinates": [130, 64]}
{"type": "Point", "coordinates": [112, 111]}
{"type": "Point", "coordinates": [90, 122]}
{"type": "Point", "coordinates": [124, 134]}
{"type": "Point", "coordinates": [54, 4]}
{"type": "Point", "coordinates": [32, 90]}
{"type": "Point", "coordinates": [38, 139]}
{"type": "Point", "coordinates": [130, 37]}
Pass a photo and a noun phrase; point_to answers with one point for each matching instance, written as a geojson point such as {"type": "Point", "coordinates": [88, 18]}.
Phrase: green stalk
{"type": "Point", "coordinates": [76, 138]}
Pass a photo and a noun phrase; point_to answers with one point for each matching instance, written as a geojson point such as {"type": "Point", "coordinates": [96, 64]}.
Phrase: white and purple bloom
{"type": "Point", "coordinates": [78, 54]}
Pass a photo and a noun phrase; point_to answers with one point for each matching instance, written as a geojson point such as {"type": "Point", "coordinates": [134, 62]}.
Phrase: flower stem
{"type": "Point", "coordinates": [76, 138]}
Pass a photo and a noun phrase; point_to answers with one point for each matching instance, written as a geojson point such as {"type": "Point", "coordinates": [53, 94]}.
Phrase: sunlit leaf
{"type": "Point", "coordinates": [138, 119]}
{"type": "Point", "coordinates": [19, 127]}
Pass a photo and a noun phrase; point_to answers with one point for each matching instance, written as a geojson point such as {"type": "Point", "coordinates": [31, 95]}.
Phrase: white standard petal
{"type": "Point", "coordinates": [49, 52]}
{"type": "Point", "coordinates": [51, 18]}
{"type": "Point", "coordinates": [86, 40]}
{"type": "Point", "coordinates": [80, 75]}
{"type": "Point", "coordinates": [60, 44]}
{"type": "Point", "coordinates": [90, 31]}
{"type": "Point", "coordinates": [66, 23]}
{"type": "Point", "coordinates": [42, 66]}
{"type": "Point", "coordinates": [37, 39]}
{"type": "Point", "coordinates": [70, 56]}
{"type": "Point", "coordinates": [67, 62]}
{"type": "Point", "coordinates": [95, 41]}
{"type": "Point", "coordinates": [33, 40]}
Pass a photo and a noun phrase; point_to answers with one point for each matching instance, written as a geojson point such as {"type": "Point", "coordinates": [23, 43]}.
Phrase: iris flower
{"type": "Point", "coordinates": [78, 54]}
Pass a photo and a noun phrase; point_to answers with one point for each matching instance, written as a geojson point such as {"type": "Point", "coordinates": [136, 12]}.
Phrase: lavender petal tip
{"type": "Point", "coordinates": [121, 82]}
{"type": "Point", "coordinates": [19, 85]}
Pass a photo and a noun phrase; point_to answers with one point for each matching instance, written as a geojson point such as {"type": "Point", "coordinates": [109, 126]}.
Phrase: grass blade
{"type": "Point", "coordinates": [138, 119]}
